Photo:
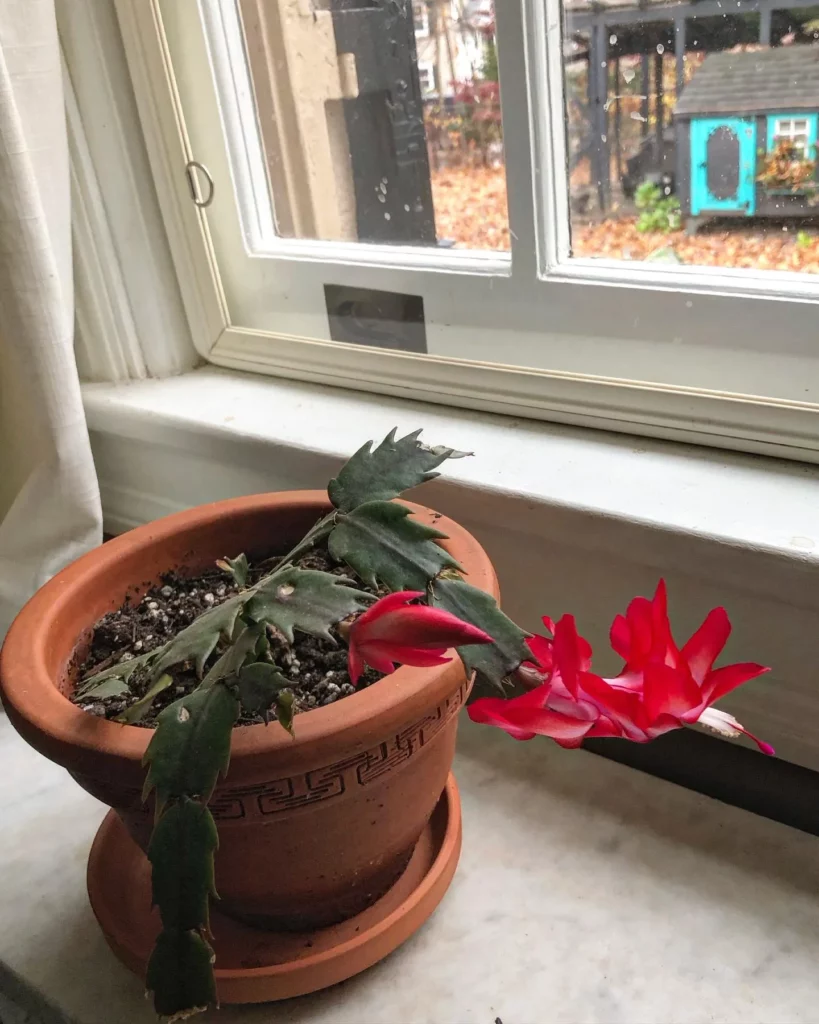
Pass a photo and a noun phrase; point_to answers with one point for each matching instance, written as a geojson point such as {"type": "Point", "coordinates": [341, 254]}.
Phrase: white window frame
{"type": "Point", "coordinates": [421, 24]}
{"type": "Point", "coordinates": [791, 132]}
{"type": "Point", "coordinates": [429, 67]}
{"type": "Point", "coordinates": [595, 312]}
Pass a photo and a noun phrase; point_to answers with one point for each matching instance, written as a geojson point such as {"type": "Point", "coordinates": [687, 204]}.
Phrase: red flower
{"type": "Point", "coordinates": [393, 631]}
{"type": "Point", "coordinates": [659, 689]}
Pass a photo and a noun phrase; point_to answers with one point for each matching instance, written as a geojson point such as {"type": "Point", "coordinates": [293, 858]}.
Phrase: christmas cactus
{"type": "Point", "coordinates": [411, 607]}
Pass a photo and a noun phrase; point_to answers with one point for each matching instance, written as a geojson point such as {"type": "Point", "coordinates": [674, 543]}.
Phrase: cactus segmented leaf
{"type": "Point", "coordinates": [181, 851]}
{"type": "Point", "coordinates": [384, 472]}
{"type": "Point", "coordinates": [383, 544]}
{"type": "Point", "coordinates": [304, 599]}
{"type": "Point", "coordinates": [258, 686]}
{"type": "Point", "coordinates": [191, 745]}
{"type": "Point", "coordinates": [180, 974]}
{"type": "Point", "coordinates": [197, 641]}
{"type": "Point", "coordinates": [136, 712]}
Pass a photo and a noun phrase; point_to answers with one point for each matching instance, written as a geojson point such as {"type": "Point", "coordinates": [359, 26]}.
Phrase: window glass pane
{"type": "Point", "coordinates": [380, 119]}
{"type": "Point", "coordinates": [691, 132]}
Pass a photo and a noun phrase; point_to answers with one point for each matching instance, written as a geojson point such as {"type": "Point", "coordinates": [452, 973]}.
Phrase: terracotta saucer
{"type": "Point", "coordinates": [255, 966]}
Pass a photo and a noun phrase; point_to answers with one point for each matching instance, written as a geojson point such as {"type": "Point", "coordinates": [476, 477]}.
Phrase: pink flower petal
{"type": "Point", "coordinates": [668, 691]}
{"type": "Point", "coordinates": [729, 677]}
{"type": "Point", "coordinates": [419, 657]}
{"type": "Point", "coordinates": [355, 664]}
{"type": "Point", "coordinates": [526, 722]}
{"type": "Point", "coordinates": [386, 604]}
{"type": "Point", "coordinates": [705, 646]}
{"type": "Point", "coordinates": [620, 637]}
{"type": "Point", "coordinates": [421, 626]}
{"type": "Point", "coordinates": [571, 652]}
{"type": "Point", "coordinates": [541, 649]}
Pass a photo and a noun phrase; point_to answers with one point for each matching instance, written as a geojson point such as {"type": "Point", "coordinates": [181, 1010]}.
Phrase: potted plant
{"type": "Point", "coordinates": [263, 633]}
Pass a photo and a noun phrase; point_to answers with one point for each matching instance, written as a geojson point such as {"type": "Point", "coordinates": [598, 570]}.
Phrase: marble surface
{"type": "Point", "coordinates": [587, 892]}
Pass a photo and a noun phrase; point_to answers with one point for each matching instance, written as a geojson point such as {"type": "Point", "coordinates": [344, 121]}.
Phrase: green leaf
{"type": "Point", "coordinates": [136, 712]}
{"type": "Point", "coordinates": [284, 710]}
{"type": "Point", "coordinates": [381, 542]}
{"type": "Point", "coordinates": [234, 657]}
{"type": "Point", "coordinates": [180, 974]}
{"type": "Point", "coordinates": [237, 567]}
{"type": "Point", "coordinates": [259, 685]}
{"type": "Point", "coordinates": [123, 670]}
{"type": "Point", "coordinates": [305, 599]}
{"type": "Point", "coordinates": [384, 473]}
{"type": "Point", "coordinates": [491, 662]}
{"type": "Point", "coordinates": [196, 642]}
{"type": "Point", "coordinates": [112, 686]}
{"type": "Point", "coordinates": [191, 745]}
{"type": "Point", "coordinates": [181, 851]}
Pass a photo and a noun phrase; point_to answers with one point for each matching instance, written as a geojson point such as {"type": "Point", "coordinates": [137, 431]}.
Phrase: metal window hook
{"type": "Point", "coordinates": [200, 199]}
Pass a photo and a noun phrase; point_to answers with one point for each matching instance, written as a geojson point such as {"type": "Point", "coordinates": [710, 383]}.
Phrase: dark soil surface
{"type": "Point", "coordinates": [318, 668]}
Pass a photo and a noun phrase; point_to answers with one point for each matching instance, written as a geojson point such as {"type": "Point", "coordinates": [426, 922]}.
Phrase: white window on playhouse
{"type": "Point", "coordinates": [795, 130]}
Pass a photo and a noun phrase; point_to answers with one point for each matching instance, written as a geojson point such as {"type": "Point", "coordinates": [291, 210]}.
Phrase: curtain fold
{"type": "Point", "coordinates": [49, 500]}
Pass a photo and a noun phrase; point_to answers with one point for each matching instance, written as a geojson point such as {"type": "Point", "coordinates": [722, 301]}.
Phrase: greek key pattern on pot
{"type": "Point", "coordinates": [331, 781]}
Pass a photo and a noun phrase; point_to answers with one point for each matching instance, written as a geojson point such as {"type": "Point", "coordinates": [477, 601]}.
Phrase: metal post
{"type": "Point", "coordinates": [618, 155]}
{"type": "Point", "coordinates": [598, 117]}
{"type": "Point", "coordinates": [658, 108]}
{"type": "Point", "coordinates": [679, 50]}
{"type": "Point", "coordinates": [765, 26]}
{"type": "Point", "coordinates": [645, 86]}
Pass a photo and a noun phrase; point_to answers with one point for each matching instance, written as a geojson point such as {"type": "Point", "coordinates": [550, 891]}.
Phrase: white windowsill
{"type": "Point", "coordinates": [745, 501]}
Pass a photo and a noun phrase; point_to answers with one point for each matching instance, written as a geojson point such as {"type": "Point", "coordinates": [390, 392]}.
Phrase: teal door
{"type": "Point", "coordinates": [723, 165]}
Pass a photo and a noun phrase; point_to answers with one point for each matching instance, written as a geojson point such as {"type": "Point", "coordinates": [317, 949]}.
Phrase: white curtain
{"type": "Point", "coordinates": [49, 501]}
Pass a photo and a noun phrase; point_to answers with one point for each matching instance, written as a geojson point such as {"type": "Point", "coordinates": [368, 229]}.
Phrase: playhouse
{"type": "Point", "coordinates": [746, 116]}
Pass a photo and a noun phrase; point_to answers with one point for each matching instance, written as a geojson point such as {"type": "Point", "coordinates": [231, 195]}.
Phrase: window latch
{"type": "Point", "coordinates": [193, 171]}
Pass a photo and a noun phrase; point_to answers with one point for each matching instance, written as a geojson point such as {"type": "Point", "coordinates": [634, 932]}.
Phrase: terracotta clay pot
{"type": "Point", "coordinates": [313, 829]}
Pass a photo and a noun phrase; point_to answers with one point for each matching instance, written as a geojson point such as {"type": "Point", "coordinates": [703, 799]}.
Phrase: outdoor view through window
{"type": "Point", "coordinates": [691, 126]}
{"type": "Point", "coordinates": [381, 119]}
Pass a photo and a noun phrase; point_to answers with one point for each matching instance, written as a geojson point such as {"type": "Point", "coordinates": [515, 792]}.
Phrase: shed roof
{"type": "Point", "coordinates": [785, 78]}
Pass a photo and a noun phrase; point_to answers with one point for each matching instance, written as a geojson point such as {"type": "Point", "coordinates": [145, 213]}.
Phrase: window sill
{"type": "Point", "coordinates": [574, 519]}
{"type": "Point", "coordinates": [745, 501]}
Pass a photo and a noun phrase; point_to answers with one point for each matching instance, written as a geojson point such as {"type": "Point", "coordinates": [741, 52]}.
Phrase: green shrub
{"type": "Point", "coordinates": [657, 212]}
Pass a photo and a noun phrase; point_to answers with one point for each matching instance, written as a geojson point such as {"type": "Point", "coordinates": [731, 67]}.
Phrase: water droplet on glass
{"type": "Point", "coordinates": [635, 115]}
{"type": "Point", "coordinates": [629, 75]}
{"type": "Point", "coordinates": [603, 138]}
{"type": "Point", "coordinates": [407, 207]}
{"type": "Point", "coordinates": [602, 63]}
{"type": "Point", "coordinates": [689, 304]}
{"type": "Point", "coordinates": [660, 48]}
{"type": "Point", "coordinates": [382, 198]}
{"type": "Point", "coordinates": [612, 39]}
{"type": "Point", "coordinates": [387, 217]}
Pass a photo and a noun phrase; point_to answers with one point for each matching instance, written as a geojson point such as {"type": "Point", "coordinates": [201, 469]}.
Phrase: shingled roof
{"type": "Point", "coordinates": [785, 78]}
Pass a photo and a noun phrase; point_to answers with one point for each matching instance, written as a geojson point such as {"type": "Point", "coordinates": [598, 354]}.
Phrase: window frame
{"type": "Point", "coordinates": [780, 425]}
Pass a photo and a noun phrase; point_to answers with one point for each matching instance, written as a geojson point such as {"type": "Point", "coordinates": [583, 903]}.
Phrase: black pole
{"type": "Point", "coordinates": [618, 156]}
{"type": "Point", "coordinates": [645, 88]}
{"type": "Point", "coordinates": [679, 49]}
{"type": "Point", "coordinates": [658, 95]}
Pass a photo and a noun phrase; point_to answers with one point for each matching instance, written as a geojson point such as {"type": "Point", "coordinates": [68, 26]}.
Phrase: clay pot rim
{"type": "Point", "coordinates": [30, 692]}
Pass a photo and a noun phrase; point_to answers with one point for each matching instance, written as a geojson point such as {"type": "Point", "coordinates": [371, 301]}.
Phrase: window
{"type": "Point", "coordinates": [426, 77]}
{"type": "Point", "coordinates": [795, 131]}
{"type": "Point", "coordinates": [420, 18]}
{"type": "Point", "coordinates": [338, 223]}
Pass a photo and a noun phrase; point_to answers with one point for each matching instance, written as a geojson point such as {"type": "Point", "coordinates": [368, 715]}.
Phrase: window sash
{"type": "Point", "coordinates": [593, 342]}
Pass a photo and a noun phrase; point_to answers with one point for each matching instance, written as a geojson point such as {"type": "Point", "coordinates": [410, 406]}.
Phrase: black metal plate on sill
{"type": "Point", "coordinates": [377, 319]}
{"type": "Point", "coordinates": [735, 775]}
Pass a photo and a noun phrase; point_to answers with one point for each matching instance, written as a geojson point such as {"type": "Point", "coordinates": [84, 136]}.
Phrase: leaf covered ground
{"type": "Point", "coordinates": [470, 209]}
